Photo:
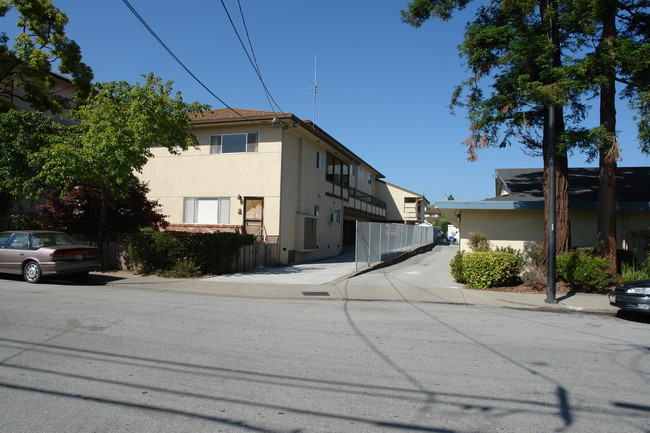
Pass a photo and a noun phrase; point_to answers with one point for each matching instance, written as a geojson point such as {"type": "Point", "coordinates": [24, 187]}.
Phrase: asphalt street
{"type": "Point", "coordinates": [83, 358]}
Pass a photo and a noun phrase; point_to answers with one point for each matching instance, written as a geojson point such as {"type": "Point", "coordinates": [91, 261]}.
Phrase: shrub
{"type": "Point", "coordinates": [184, 268]}
{"type": "Point", "coordinates": [534, 253]}
{"type": "Point", "coordinates": [485, 269]}
{"type": "Point", "coordinates": [478, 242]}
{"type": "Point", "coordinates": [211, 253]}
{"type": "Point", "coordinates": [632, 272]}
{"type": "Point", "coordinates": [457, 268]}
{"type": "Point", "coordinates": [522, 260]}
{"type": "Point", "coordinates": [535, 277]}
{"type": "Point", "coordinates": [584, 271]}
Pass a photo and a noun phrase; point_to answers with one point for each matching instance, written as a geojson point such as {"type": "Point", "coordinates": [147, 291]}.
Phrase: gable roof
{"type": "Point", "coordinates": [242, 115]}
{"type": "Point", "coordinates": [525, 184]}
{"type": "Point", "coordinates": [521, 188]}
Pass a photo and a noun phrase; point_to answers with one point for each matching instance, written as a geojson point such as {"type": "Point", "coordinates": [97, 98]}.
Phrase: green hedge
{"type": "Point", "coordinates": [489, 268]}
{"type": "Point", "coordinates": [163, 252]}
{"type": "Point", "coordinates": [457, 270]}
{"type": "Point", "coordinates": [582, 270]}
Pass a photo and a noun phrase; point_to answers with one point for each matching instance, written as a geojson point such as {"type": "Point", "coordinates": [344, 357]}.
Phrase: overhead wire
{"type": "Point", "coordinates": [171, 53]}
{"type": "Point", "coordinates": [253, 59]}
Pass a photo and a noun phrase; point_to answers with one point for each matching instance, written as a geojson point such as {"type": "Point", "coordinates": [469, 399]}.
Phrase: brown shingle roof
{"type": "Point", "coordinates": [227, 114]}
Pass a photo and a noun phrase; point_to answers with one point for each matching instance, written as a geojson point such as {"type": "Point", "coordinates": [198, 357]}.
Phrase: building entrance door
{"type": "Point", "coordinates": [254, 216]}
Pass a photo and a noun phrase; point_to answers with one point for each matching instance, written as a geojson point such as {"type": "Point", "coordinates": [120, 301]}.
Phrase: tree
{"type": "Point", "coordinates": [78, 211]}
{"type": "Point", "coordinates": [40, 46]}
{"type": "Point", "coordinates": [118, 126]}
{"type": "Point", "coordinates": [614, 36]}
{"type": "Point", "coordinates": [508, 42]}
{"type": "Point", "coordinates": [22, 133]}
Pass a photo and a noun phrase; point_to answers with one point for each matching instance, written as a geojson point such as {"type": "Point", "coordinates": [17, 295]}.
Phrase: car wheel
{"type": "Point", "coordinates": [32, 272]}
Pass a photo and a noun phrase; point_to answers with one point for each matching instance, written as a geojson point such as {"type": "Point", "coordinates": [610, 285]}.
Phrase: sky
{"type": "Point", "coordinates": [383, 87]}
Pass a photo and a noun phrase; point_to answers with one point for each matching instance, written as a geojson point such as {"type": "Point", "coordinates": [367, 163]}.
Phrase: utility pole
{"type": "Point", "coordinates": [551, 135]}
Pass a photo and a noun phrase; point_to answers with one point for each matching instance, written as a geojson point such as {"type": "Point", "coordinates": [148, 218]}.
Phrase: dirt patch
{"type": "Point", "coordinates": [561, 289]}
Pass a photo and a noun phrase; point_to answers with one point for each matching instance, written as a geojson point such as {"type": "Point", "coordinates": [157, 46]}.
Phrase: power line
{"type": "Point", "coordinates": [253, 60]}
{"type": "Point", "coordinates": [171, 53]}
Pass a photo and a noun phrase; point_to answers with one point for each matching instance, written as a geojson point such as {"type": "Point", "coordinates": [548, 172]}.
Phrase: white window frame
{"type": "Point", "coordinates": [319, 160]}
{"type": "Point", "coordinates": [251, 145]}
{"type": "Point", "coordinates": [193, 211]}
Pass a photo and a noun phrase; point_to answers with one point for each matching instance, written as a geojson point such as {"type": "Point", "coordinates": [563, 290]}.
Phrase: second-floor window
{"type": "Point", "coordinates": [234, 143]}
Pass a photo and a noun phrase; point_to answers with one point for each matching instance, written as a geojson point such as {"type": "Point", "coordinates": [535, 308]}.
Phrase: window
{"type": "Point", "coordinates": [353, 171]}
{"type": "Point", "coordinates": [235, 143]}
{"type": "Point", "coordinates": [206, 210]}
{"type": "Point", "coordinates": [360, 173]}
{"type": "Point", "coordinates": [319, 160]}
{"type": "Point", "coordinates": [335, 216]}
{"type": "Point", "coordinates": [369, 178]}
{"type": "Point", "coordinates": [316, 211]}
{"type": "Point", "coordinates": [334, 169]}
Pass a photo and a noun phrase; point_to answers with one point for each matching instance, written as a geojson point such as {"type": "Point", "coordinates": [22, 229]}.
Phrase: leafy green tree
{"type": "Point", "coordinates": [509, 44]}
{"type": "Point", "coordinates": [118, 126]}
{"type": "Point", "coordinates": [39, 45]}
{"type": "Point", "coordinates": [619, 31]}
{"type": "Point", "coordinates": [441, 223]}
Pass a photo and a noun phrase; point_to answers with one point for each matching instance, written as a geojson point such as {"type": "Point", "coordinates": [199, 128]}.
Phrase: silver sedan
{"type": "Point", "coordinates": [37, 253]}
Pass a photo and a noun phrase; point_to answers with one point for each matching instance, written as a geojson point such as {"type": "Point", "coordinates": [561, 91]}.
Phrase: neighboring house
{"type": "Point", "coordinates": [431, 215]}
{"type": "Point", "coordinates": [402, 205]}
{"type": "Point", "coordinates": [63, 87]}
{"type": "Point", "coordinates": [515, 216]}
{"type": "Point", "coordinates": [269, 174]}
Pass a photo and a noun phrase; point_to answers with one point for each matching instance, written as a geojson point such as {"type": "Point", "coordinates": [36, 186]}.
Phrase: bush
{"type": "Point", "coordinates": [486, 269]}
{"type": "Point", "coordinates": [522, 260]}
{"type": "Point", "coordinates": [184, 268]}
{"type": "Point", "coordinates": [582, 270]}
{"type": "Point", "coordinates": [457, 268]}
{"type": "Point", "coordinates": [632, 272]}
{"type": "Point", "coordinates": [478, 242]}
{"type": "Point", "coordinates": [536, 278]}
{"type": "Point", "coordinates": [211, 253]}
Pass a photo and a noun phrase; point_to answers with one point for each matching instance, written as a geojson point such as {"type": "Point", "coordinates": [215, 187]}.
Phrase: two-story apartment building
{"type": "Point", "coordinates": [402, 205]}
{"type": "Point", "coordinates": [269, 174]}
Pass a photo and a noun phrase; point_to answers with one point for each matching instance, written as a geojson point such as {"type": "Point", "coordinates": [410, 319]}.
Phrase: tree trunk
{"type": "Point", "coordinates": [608, 152]}
{"type": "Point", "coordinates": [103, 221]}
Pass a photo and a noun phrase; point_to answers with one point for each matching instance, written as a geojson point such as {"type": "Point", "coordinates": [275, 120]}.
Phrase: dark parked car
{"type": "Point", "coordinates": [632, 296]}
{"type": "Point", "coordinates": [38, 253]}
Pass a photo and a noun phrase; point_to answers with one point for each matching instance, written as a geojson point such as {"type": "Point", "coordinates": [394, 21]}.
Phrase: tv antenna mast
{"type": "Point", "coordinates": [315, 91]}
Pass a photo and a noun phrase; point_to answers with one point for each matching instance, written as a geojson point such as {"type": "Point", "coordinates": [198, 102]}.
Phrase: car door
{"type": "Point", "coordinates": [14, 253]}
{"type": "Point", "coordinates": [4, 238]}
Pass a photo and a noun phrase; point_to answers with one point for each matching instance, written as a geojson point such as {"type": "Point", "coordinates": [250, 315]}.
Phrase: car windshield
{"type": "Point", "coordinates": [52, 240]}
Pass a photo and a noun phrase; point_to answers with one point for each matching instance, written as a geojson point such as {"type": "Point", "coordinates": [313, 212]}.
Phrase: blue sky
{"type": "Point", "coordinates": [383, 86]}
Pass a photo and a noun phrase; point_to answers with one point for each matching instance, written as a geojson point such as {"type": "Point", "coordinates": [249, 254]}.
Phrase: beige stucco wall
{"type": "Point", "coordinates": [283, 172]}
{"type": "Point", "coordinates": [396, 208]}
{"type": "Point", "coordinates": [197, 173]}
{"type": "Point", "coordinates": [517, 227]}
{"type": "Point", "coordinates": [303, 188]}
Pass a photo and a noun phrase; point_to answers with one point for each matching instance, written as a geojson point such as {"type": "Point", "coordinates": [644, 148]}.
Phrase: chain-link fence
{"type": "Point", "coordinates": [377, 242]}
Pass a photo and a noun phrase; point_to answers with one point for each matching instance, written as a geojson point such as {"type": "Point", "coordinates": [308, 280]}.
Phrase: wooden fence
{"type": "Point", "coordinates": [249, 257]}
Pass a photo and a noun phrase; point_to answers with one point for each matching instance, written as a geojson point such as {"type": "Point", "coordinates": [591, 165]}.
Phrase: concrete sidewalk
{"type": "Point", "coordinates": [421, 278]}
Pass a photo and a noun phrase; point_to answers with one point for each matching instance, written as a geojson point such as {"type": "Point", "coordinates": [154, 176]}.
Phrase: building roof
{"type": "Point", "coordinates": [522, 189]}
{"type": "Point", "coordinates": [526, 184]}
{"type": "Point", "coordinates": [239, 115]}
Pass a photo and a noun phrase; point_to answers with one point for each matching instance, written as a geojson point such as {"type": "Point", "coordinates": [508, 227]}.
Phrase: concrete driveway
{"type": "Point", "coordinates": [318, 272]}
{"type": "Point", "coordinates": [430, 269]}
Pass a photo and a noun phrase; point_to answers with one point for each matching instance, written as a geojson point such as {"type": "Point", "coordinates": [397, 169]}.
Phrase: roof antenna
{"type": "Point", "coordinates": [315, 90]}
